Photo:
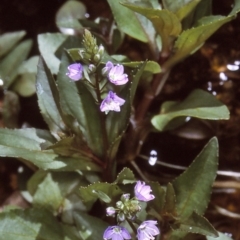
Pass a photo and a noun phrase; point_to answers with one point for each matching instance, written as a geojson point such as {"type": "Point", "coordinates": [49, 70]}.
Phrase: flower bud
{"type": "Point", "coordinates": [110, 211]}
{"type": "Point", "coordinates": [119, 205]}
{"type": "Point", "coordinates": [121, 217]}
{"type": "Point", "coordinates": [125, 197]}
{"type": "Point", "coordinates": [97, 58]}
{"type": "Point", "coordinates": [101, 50]}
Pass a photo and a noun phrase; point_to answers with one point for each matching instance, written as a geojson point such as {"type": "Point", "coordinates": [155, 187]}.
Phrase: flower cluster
{"type": "Point", "coordinates": [126, 209]}
{"type": "Point", "coordinates": [116, 76]}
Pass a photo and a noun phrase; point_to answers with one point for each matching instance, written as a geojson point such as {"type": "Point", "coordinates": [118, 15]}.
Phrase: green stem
{"type": "Point", "coordinates": [132, 226]}
{"type": "Point", "coordinates": [102, 119]}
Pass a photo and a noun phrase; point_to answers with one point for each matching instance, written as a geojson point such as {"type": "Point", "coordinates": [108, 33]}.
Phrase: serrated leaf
{"type": "Point", "coordinates": [48, 43]}
{"type": "Point", "coordinates": [193, 187]}
{"type": "Point", "coordinates": [48, 99]}
{"type": "Point", "coordinates": [26, 144]}
{"type": "Point", "coordinates": [221, 236]}
{"type": "Point", "coordinates": [197, 224]}
{"type": "Point", "coordinates": [31, 224]}
{"type": "Point", "coordinates": [77, 101]}
{"type": "Point", "coordinates": [9, 64]}
{"type": "Point", "coordinates": [193, 38]}
{"type": "Point", "coordinates": [9, 40]}
{"type": "Point", "coordinates": [126, 176]}
{"type": "Point", "coordinates": [89, 193]}
{"type": "Point", "coordinates": [165, 22]}
{"type": "Point", "coordinates": [48, 195]}
{"type": "Point", "coordinates": [89, 227]}
{"type": "Point", "coordinates": [122, 16]}
{"type": "Point", "coordinates": [198, 104]}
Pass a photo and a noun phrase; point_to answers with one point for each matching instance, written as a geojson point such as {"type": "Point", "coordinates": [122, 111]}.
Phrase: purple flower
{"type": "Point", "coordinates": [142, 192]}
{"type": "Point", "coordinates": [75, 71]}
{"type": "Point", "coordinates": [109, 65]}
{"type": "Point", "coordinates": [116, 233]}
{"type": "Point", "coordinates": [147, 230]}
{"type": "Point", "coordinates": [111, 103]}
{"type": "Point", "coordinates": [110, 211]}
{"type": "Point", "coordinates": [117, 76]}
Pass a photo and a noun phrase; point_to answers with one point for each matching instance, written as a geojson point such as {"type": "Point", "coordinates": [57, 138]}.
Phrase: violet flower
{"type": "Point", "coordinates": [109, 65]}
{"type": "Point", "coordinates": [75, 71]}
{"type": "Point", "coordinates": [116, 233]}
{"type": "Point", "coordinates": [117, 76]}
{"type": "Point", "coordinates": [142, 192]}
{"type": "Point", "coordinates": [111, 103]}
{"type": "Point", "coordinates": [147, 230]}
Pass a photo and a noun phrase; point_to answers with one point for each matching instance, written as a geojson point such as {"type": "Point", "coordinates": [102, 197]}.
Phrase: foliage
{"type": "Point", "coordinates": [89, 98]}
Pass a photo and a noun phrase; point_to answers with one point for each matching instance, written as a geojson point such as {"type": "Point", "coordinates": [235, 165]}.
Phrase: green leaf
{"type": "Point", "coordinates": [90, 193]}
{"type": "Point", "coordinates": [187, 9]}
{"type": "Point", "coordinates": [31, 224]}
{"type": "Point", "coordinates": [151, 66]}
{"type": "Point", "coordinates": [131, 27]}
{"type": "Point", "coordinates": [26, 144]}
{"type": "Point", "coordinates": [48, 43]}
{"type": "Point", "coordinates": [221, 236]}
{"type": "Point", "coordinates": [174, 6]}
{"type": "Point", "coordinates": [158, 202]}
{"type": "Point", "coordinates": [170, 201]}
{"type": "Point", "coordinates": [48, 99]}
{"type": "Point", "coordinates": [77, 101]}
{"type": "Point", "coordinates": [9, 64]}
{"type": "Point", "coordinates": [198, 104]}
{"type": "Point", "coordinates": [69, 13]}
{"type": "Point", "coordinates": [70, 232]}
{"type": "Point", "coordinates": [10, 109]}
{"type": "Point", "coordinates": [89, 227]}
{"type": "Point", "coordinates": [193, 187]}
{"type": "Point", "coordinates": [197, 224]}
{"type": "Point", "coordinates": [48, 195]}
{"type": "Point", "coordinates": [126, 176]}
{"type": "Point", "coordinates": [193, 38]}
{"type": "Point", "coordinates": [9, 40]}
{"type": "Point", "coordinates": [165, 22]}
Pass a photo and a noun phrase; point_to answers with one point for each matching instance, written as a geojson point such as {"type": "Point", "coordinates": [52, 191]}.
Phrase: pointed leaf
{"type": "Point", "coordinates": [31, 224]}
{"type": "Point", "coordinates": [127, 21]}
{"type": "Point", "coordinates": [48, 43]}
{"type": "Point", "coordinates": [9, 64]}
{"type": "Point", "coordinates": [126, 176]}
{"type": "Point", "coordinates": [77, 101]}
{"type": "Point", "coordinates": [48, 99]}
{"type": "Point", "coordinates": [198, 104]}
{"type": "Point", "coordinates": [193, 187]}
{"type": "Point", "coordinates": [48, 195]}
{"type": "Point", "coordinates": [9, 40]}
